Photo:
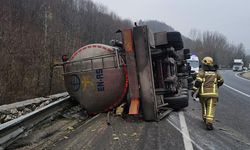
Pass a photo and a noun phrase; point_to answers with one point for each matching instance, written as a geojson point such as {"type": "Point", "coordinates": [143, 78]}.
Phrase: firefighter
{"type": "Point", "coordinates": [207, 82]}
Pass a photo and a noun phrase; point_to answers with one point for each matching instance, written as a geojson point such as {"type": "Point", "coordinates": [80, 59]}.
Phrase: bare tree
{"type": "Point", "coordinates": [35, 34]}
{"type": "Point", "coordinates": [217, 46]}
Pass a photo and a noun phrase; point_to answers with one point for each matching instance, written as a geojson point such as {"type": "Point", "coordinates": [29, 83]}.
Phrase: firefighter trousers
{"type": "Point", "coordinates": [208, 106]}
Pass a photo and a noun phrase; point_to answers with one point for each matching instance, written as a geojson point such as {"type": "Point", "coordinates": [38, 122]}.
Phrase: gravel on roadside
{"type": "Point", "coordinates": [246, 75]}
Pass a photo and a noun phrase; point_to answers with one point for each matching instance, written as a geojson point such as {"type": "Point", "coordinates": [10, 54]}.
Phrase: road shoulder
{"type": "Point", "coordinates": [245, 75]}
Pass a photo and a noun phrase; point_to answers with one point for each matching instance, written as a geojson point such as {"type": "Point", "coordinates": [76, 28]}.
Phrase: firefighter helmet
{"type": "Point", "coordinates": [208, 61]}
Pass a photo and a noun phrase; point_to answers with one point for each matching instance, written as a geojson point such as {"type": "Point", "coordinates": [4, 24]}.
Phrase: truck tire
{"type": "Point", "coordinates": [175, 40]}
{"type": "Point", "coordinates": [177, 102]}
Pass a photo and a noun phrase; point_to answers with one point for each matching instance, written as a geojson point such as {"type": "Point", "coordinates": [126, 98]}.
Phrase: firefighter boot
{"type": "Point", "coordinates": [210, 126]}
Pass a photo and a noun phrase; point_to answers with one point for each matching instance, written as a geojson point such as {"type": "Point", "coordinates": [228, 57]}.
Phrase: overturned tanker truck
{"type": "Point", "coordinates": [147, 71]}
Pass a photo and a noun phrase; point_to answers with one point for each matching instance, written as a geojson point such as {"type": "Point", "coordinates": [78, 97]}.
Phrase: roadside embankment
{"type": "Point", "coordinates": [246, 75]}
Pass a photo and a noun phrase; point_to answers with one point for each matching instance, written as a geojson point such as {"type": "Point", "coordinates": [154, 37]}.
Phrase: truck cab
{"type": "Point", "coordinates": [238, 65]}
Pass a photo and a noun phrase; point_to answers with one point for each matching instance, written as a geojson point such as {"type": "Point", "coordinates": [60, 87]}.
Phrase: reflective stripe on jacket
{"type": "Point", "coordinates": [209, 81]}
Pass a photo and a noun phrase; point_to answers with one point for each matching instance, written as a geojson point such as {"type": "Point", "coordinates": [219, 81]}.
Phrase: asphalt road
{"type": "Point", "coordinates": [180, 130]}
{"type": "Point", "coordinates": [183, 130]}
{"type": "Point", "coordinates": [232, 117]}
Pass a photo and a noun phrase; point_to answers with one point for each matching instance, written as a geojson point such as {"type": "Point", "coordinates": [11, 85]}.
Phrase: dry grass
{"type": "Point", "coordinates": [246, 75]}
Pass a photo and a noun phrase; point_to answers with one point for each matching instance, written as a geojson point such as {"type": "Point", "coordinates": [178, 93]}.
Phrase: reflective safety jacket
{"type": "Point", "coordinates": [208, 83]}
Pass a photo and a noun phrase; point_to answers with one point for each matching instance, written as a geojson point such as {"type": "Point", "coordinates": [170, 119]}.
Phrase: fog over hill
{"type": "Point", "coordinates": [158, 26]}
{"type": "Point", "coordinates": [35, 34]}
{"type": "Point", "coordinates": [206, 43]}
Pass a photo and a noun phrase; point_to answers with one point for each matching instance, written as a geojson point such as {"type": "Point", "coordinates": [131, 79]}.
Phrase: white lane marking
{"type": "Point", "coordinates": [183, 134]}
{"type": "Point", "coordinates": [237, 75]}
{"type": "Point", "coordinates": [187, 143]}
{"type": "Point", "coordinates": [237, 90]}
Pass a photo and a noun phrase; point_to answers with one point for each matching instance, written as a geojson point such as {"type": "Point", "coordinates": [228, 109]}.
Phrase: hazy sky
{"type": "Point", "coordinates": [229, 17]}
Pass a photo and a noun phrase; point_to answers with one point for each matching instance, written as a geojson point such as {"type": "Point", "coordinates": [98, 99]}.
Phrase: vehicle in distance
{"type": "Point", "coordinates": [238, 65]}
{"type": "Point", "coordinates": [194, 64]}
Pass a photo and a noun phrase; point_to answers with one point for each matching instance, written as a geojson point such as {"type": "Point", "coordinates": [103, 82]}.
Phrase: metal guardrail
{"type": "Point", "coordinates": [14, 129]}
{"type": "Point", "coordinates": [25, 103]}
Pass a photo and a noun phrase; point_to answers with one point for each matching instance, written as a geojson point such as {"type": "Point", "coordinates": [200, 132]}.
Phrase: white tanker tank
{"type": "Point", "coordinates": [96, 76]}
{"type": "Point", "coordinates": [152, 64]}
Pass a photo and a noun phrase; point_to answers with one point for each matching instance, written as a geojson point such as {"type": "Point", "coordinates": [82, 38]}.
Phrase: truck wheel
{"type": "Point", "coordinates": [177, 102]}
{"type": "Point", "coordinates": [175, 40]}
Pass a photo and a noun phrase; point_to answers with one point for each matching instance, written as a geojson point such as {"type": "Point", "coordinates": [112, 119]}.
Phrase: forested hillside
{"type": "Point", "coordinates": [35, 34]}
{"type": "Point", "coordinates": [156, 26]}
{"type": "Point", "coordinates": [207, 43]}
